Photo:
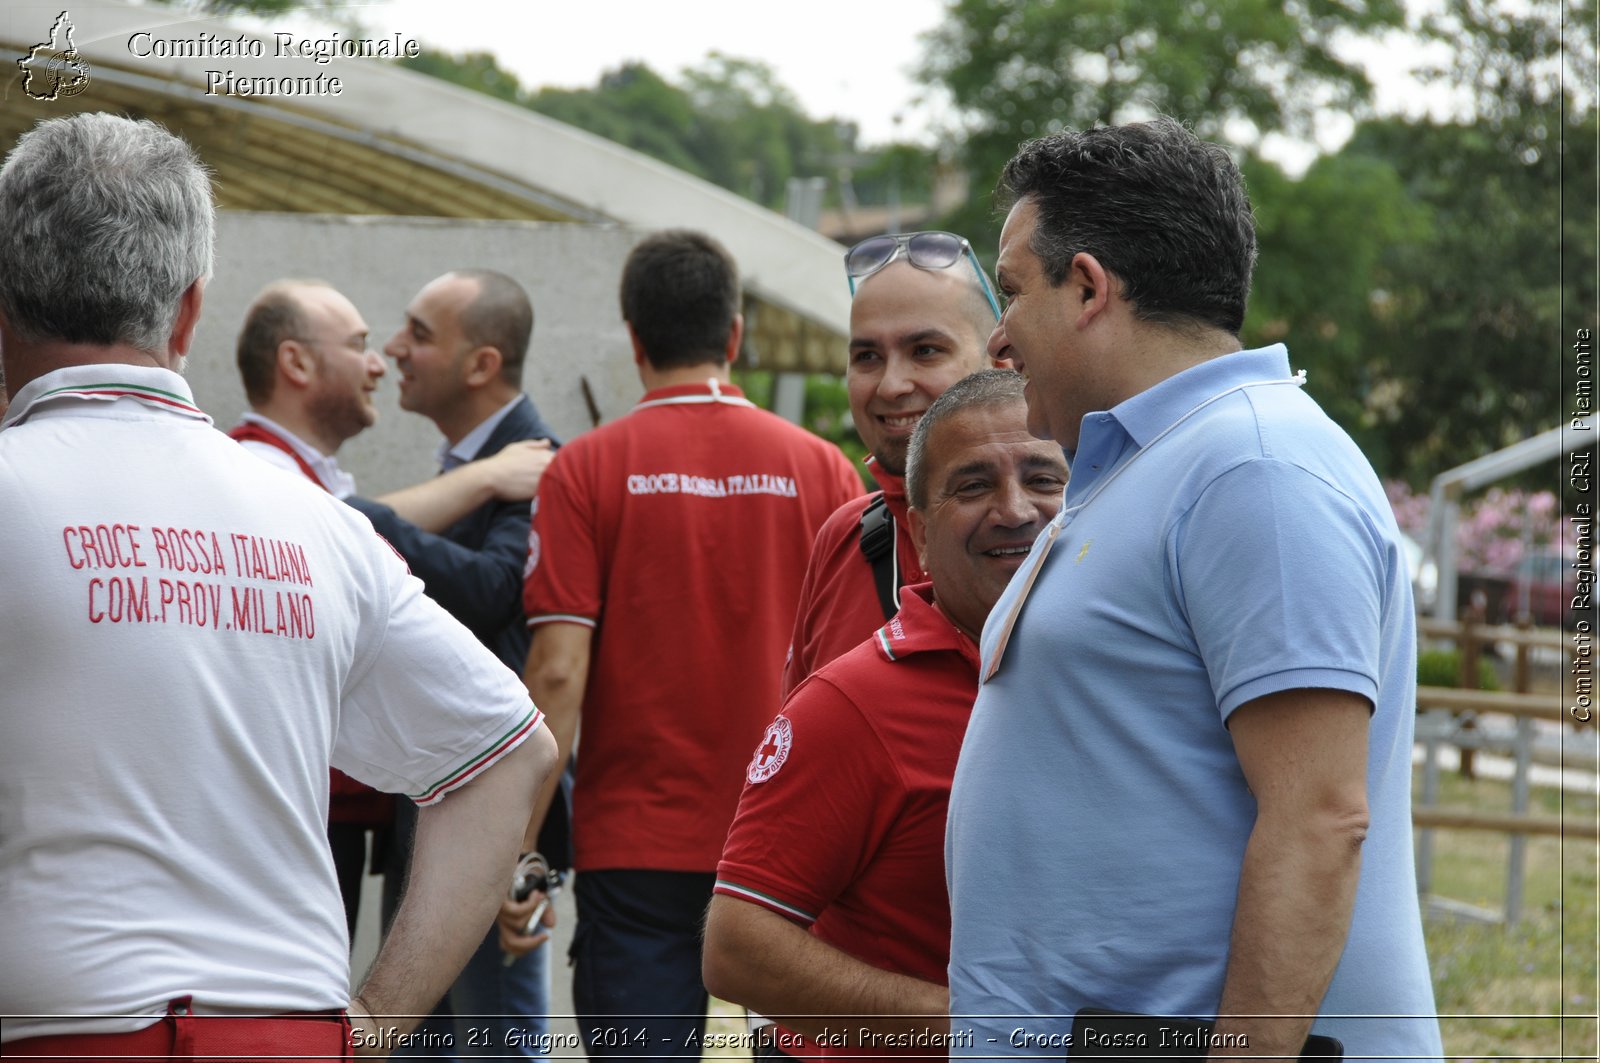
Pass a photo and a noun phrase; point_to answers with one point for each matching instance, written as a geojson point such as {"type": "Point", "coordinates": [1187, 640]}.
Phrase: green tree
{"type": "Point", "coordinates": [636, 107]}
{"type": "Point", "coordinates": [1427, 274]}
{"type": "Point", "coordinates": [752, 134]}
{"type": "Point", "coordinates": [728, 120]}
{"type": "Point", "coordinates": [1234, 69]}
{"type": "Point", "coordinates": [1323, 272]}
{"type": "Point", "coordinates": [479, 71]}
{"type": "Point", "coordinates": [901, 170]}
{"type": "Point", "coordinates": [1477, 315]}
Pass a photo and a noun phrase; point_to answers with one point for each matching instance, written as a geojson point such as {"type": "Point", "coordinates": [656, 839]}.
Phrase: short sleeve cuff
{"type": "Point", "coordinates": [1299, 679]}
{"type": "Point", "coordinates": [560, 618]}
{"type": "Point", "coordinates": [765, 899]}
{"type": "Point", "coordinates": [481, 763]}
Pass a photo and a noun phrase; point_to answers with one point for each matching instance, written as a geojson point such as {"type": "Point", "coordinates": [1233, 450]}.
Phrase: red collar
{"type": "Point", "coordinates": [894, 487]}
{"type": "Point", "coordinates": [249, 431]}
{"type": "Point", "coordinates": [712, 391]}
{"type": "Point", "coordinates": [920, 627]}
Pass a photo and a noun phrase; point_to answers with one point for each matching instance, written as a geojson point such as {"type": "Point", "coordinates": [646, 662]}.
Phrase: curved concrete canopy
{"type": "Point", "coordinates": [395, 142]}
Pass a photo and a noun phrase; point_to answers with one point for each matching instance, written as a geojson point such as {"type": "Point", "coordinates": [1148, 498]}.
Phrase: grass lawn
{"type": "Point", "coordinates": [1528, 990]}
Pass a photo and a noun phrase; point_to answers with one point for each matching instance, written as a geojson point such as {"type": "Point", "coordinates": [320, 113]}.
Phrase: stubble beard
{"type": "Point", "coordinates": [890, 458]}
{"type": "Point", "coordinates": [341, 415]}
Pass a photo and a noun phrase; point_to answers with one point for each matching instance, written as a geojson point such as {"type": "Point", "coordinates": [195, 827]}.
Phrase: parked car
{"type": "Point", "coordinates": [1543, 586]}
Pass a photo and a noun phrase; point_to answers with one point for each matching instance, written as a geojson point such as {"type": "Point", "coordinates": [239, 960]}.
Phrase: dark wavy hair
{"type": "Point", "coordinates": [1163, 210]}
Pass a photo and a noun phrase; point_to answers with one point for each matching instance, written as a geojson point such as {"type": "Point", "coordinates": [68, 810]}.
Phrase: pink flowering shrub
{"type": "Point", "coordinates": [1489, 535]}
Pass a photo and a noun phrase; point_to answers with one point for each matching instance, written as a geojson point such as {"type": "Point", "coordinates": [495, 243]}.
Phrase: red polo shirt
{"type": "Point", "coordinates": [680, 533]}
{"type": "Point", "coordinates": [841, 824]}
{"type": "Point", "coordinates": [839, 598]}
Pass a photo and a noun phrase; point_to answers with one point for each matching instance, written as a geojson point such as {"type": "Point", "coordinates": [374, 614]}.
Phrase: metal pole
{"type": "Point", "coordinates": [789, 396]}
{"type": "Point", "coordinates": [1449, 567]}
{"type": "Point", "coordinates": [1517, 859]}
{"type": "Point", "coordinates": [1433, 722]}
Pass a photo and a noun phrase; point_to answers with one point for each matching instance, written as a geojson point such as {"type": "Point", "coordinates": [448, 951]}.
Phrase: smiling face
{"type": "Point", "coordinates": [991, 489]}
{"type": "Point", "coordinates": [345, 369]}
{"type": "Point", "coordinates": [431, 348]}
{"type": "Point", "coordinates": [1038, 331]}
{"type": "Point", "coordinates": [911, 336]}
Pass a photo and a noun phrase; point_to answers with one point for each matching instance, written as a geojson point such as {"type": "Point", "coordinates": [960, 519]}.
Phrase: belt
{"type": "Point", "coordinates": [310, 1035]}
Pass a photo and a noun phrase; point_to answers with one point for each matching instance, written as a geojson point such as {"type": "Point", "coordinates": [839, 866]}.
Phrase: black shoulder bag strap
{"type": "Point", "coordinates": [877, 545]}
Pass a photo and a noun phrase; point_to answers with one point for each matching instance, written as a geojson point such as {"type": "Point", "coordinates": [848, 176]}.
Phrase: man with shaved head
{"type": "Point", "coordinates": [310, 374]}
{"type": "Point", "coordinates": [459, 355]}
{"type": "Point", "coordinates": [920, 321]}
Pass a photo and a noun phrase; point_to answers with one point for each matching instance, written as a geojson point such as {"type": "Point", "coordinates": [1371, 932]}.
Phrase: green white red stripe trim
{"type": "Point", "coordinates": [482, 761]}
{"type": "Point", "coordinates": [882, 635]}
{"type": "Point", "coordinates": [124, 391]}
{"type": "Point", "coordinates": [766, 900]}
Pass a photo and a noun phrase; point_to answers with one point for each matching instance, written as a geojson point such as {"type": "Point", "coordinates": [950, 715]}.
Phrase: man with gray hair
{"type": "Point", "coordinates": [823, 907]}
{"type": "Point", "coordinates": [204, 637]}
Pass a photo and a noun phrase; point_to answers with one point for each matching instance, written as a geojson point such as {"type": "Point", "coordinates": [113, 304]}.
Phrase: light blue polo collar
{"type": "Point", "coordinates": [1152, 411]}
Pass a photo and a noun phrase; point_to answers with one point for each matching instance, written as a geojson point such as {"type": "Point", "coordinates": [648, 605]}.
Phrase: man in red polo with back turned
{"type": "Point", "coordinates": [665, 562]}
{"type": "Point", "coordinates": [920, 321]}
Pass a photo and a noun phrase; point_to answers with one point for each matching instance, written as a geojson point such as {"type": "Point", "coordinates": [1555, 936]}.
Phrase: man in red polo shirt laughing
{"type": "Point", "coordinates": [830, 905]}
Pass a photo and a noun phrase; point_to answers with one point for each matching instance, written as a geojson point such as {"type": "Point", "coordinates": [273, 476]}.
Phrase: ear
{"type": "Point", "coordinates": [8, 371]}
{"type": "Point", "coordinates": [183, 325]}
{"type": "Point", "coordinates": [735, 337]}
{"type": "Point", "coordinates": [640, 359]}
{"type": "Point", "coordinates": [919, 535]}
{"type": "Point", "coordinates": [482, 366]}
{"type": "Point", "coordinates": [1090, 287]}
{"type": "Point", "coordinates": [297, 363]}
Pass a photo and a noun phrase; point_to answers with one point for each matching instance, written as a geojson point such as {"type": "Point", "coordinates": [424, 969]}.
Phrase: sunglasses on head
{"type": "Point", "coordinates": [925, 250]}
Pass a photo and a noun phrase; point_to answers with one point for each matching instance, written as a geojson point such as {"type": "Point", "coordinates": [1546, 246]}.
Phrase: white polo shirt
{"type": "Point", "coordinates": [339, 483]}
{"type": "Point", "coordinates": [190, 639]}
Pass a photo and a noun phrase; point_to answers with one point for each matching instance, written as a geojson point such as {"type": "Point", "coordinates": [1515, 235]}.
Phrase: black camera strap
{"type": "Point", "coordinates": [877, 544]}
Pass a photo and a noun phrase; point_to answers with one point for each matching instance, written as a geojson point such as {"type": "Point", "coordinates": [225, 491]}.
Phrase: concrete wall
{"type": "Point", "coordinates": [570, 271]}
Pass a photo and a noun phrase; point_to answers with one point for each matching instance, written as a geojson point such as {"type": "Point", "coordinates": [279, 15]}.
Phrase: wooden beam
{"type": "Point", "coordinates": [1538, 706]}
{"type": "Point", "coordinates": [1549, 637]}
{"type": "Point", "coordinates": [1457, 819]}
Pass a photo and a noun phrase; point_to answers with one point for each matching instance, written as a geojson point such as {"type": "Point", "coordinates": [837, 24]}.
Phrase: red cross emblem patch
{"type": "Point", "coordinates": [772, 752]}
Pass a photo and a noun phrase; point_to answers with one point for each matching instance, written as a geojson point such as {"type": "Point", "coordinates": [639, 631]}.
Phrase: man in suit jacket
{"type": "Point", "coordinates": [459, 355]}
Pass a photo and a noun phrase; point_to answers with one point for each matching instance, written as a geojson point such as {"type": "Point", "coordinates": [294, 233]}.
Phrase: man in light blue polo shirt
{"type": "Point", "coordinates": [1185, 789]}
